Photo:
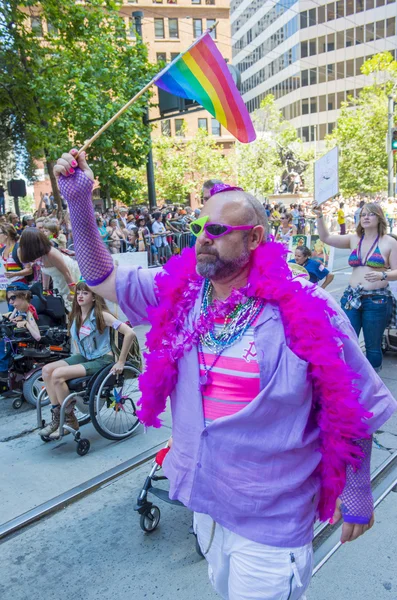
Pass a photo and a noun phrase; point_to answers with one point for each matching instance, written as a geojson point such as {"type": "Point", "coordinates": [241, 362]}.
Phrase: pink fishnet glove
{"type": "Point", "coordinates": [357, 502]}
{"type": "Point", "coordinates": [94, 259]}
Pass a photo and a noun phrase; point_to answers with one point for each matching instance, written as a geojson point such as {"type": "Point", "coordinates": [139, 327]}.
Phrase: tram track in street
{"type": "Point", "coordinates": [326, 540]}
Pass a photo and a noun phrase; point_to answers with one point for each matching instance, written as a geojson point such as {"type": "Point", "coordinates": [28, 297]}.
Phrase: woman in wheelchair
{"type": "Point", "coordinates": [89, 327]}
{"type": "Point", "coordinates": [24, 314]}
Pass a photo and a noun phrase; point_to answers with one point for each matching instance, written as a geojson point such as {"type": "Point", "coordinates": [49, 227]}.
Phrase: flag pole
{"type": "Point", "coordinates": [122, 110]}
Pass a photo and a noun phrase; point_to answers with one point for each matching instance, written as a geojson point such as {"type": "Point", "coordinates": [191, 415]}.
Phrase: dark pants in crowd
{"type": "Point", "coordinates": [343, 229]}
{"type": "Point", "coordinates": [372, 317]}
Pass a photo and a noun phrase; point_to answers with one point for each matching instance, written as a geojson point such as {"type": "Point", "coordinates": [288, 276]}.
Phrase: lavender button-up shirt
{"type": "Point", "coordinates": [253, 472]}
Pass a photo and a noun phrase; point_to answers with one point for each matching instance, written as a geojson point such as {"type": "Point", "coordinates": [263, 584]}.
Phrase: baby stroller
{"type": "Point", "coordinates": [149, 512]}
{"type": "Point", "coordinates": [389, 340]}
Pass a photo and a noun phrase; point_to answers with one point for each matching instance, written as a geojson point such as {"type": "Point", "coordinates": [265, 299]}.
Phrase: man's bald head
{"type": "Point", "coordinates": [236, 208]}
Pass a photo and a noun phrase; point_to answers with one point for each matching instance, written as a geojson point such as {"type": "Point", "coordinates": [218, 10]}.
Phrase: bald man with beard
{"type": "Point", "coordinates": [248, 405]}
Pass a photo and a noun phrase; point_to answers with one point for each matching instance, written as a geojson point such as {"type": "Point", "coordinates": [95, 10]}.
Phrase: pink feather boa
{"type": "Point", "coordinates": [311, 335]}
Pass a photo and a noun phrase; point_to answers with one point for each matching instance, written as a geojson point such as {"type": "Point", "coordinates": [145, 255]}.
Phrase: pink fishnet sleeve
{"type": "Point", "coordinates": [357, 501]}
{"type": "Point", "coordinates": [94, 258]}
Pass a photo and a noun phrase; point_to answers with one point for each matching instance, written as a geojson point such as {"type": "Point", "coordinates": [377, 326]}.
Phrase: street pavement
{"type": "Point", "coordinates": [96, 549]}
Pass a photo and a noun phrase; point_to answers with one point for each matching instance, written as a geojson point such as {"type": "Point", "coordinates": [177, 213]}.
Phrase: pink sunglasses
{"type": "Point", "coordinates": [215, 230]}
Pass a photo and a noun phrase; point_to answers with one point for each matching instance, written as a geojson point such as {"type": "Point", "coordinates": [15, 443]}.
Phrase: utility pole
{"type": "Point", "coordinates": [390, 154]}
{"type": "Point", "coordinates": [138, 14]}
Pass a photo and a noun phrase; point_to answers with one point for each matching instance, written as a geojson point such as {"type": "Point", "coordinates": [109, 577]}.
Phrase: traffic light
{"type": "Point", "coordinates": [394, 139]}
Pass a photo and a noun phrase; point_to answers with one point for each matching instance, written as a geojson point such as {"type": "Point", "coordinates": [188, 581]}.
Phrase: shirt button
{"type": "Point", "coordinates": [199, 465]}
{"type": "Point", "coordinates": [205, 433]}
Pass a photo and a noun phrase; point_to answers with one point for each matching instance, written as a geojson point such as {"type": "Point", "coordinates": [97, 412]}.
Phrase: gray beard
{"type": "Point", "coordinates": [221, 269]}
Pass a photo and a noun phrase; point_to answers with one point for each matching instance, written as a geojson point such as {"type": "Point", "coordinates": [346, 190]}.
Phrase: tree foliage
{"type": "Point", "coordinates": [362, 128]}
{"type": "Point", "coordinates": [182, 165]}
{"type": "Point", "coordinates": [259, 163]}
{"type": "Point", "coordinates": [61, 84]}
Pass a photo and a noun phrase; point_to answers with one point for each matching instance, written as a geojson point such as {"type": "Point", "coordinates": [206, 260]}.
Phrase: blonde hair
{"type": "Point", "coordinates": [51, 225]}
{"type": "Point", "coordinates": [377, 210]}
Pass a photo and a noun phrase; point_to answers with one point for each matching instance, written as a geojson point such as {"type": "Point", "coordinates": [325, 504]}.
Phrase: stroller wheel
{"type": "Point", "coordinates": [17, 403]}
{"type": "Point", "coordinates": [150, 519]}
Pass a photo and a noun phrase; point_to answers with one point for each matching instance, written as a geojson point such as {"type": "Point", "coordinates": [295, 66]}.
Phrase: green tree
{"type": "Point", "coordinates": [259, 162]}
{"type": "Point", "coordinates": [67, 68]}
{"type": "Point", "coordinates": [361, 130]}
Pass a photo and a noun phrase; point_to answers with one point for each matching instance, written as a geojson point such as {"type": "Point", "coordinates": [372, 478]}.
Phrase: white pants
{"type": "Point", "coordinates": [240, 569]}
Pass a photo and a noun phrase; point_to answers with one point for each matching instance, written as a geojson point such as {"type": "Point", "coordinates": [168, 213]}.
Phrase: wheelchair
{"type": "Point", "coordinates": [108, 400]}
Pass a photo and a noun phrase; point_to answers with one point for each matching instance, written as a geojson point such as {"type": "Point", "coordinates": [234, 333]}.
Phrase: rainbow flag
{"type": "Point", "coordinates": [201, 74]}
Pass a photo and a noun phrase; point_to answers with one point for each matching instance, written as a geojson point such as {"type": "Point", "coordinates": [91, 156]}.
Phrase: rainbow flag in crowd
{"type": "Point", "coordinates": [201, 74]}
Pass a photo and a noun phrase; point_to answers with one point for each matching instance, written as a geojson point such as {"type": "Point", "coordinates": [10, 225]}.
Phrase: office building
{"type": "Point", "coordinates": [308, 54]}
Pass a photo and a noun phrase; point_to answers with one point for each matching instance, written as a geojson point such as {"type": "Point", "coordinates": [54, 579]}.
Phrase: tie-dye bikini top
{"type": "Point", "coordinates": [373, 259]}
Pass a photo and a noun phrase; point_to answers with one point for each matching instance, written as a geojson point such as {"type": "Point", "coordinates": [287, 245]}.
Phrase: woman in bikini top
{"type": "Point", "coordinates": [367, 301]}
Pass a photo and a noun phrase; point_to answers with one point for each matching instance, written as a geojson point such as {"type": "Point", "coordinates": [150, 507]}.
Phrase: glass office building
{"type": "Point", "coordinates": [308, 54]}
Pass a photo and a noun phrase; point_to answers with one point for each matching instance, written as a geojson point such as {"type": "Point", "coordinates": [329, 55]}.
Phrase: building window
{"type": "Point", "coordinates": [360, 35]}
{"type": "Point", "coordinates": [340, 9]}
{"type": "Point", "coordinates": [349, 7]}
{"type": "Point", "coordinates": [313, 105]}
{"type": "Point", "coordinates": [350, 68]}
{"type": "Point", "coordinates": [215, 127]}
{"type": "Point", "coordinates": [322, 47]}
{"type": "Point", "coordinates": [304, 49]}
{"type": "Point", "coordinates": [132, 1]}
{"type": "Point", "coordinates": [331, 11]}
{"type": "Point", "coordinates": [197, 27]}
{"type": "Point", "coordinates": [313, 47]}
{"type": "Point", "coordinates": [313, 133]}
{"type": "Point", "coordinates": [322, 103]}
{"type": "Point", "coordinates": [369, 4]}
{"type": "Point", "coordinates": [340, 70]}
{"type": "Point", "coordinates": [340, 40]}
{"type": "Point", "coordinates": [305, 134]}
{"type": "Point", "coordinates": [390, 26]}
{"type": "Point", "coordinates": [323, 130]}
{"type": "Point", "coordinates": [174, 55]}
{"type": "Point", "coordinates": [305, 78]}
{"type": "Point", "coordinates": [179, 127]}
{"type": "Point", "coordinates": [380, 3]}
{"type": "Point", "coordinates": [380, 30]}
{"type": "Point", "coordinates": [166, 127]}
{"type": "Point", "coordinates": [303, 19]}
{"type": "Point", "coordinates": [340, 97]}
{"type": "Point", "coordinates": [331, 127]}
{"type": "Point", "coordinates": [161, 57]}
{"type": "Point", "coordinates": [331, 101]}
{"type": "Point", "coordinates": [359, 64]}
{"type": "Point", "coordinates": [159, 28]}
{"type": "Point", "coordinates": [132, 30]}
{"type": "Point", "coordinates": [321, 15]}
{"type": "Point", "coordinates": [331, 72]}
{"type": "Point", "coordinates": [322, 74]}
{"type": "Point", "coordinates": [173, 28]}
{"type": "Point", "coordinates": [369, 32]}
{"type": "Point", "coordinates": [210, 2]}
{"type": "Point", "coordinates": [196, 1]}
{"type": "Point", "coordinates": [312, 17]}
{"type": "Point", "coordinates": [203, 124]}
{"type": "Point", "coordinates": [210, 23]}
{"type": "Point", "coordinates": [37, 28]}
{"type": "Point", "coordinates": [359, 6]}
{"type": "Point", "coordinates": [171, 1]}
{"type": "Point", "coordinates": [305, 106]}
{"type": "Point", "coordinates": [349, 37]}
{"type": "Point", "coordinates": [157, 1]}
{"type": "Point", "coordinates": [330, 42]}
{"type": "Point", "coordinates": [313, 76]}
{"type": "Point", "coordinates": [51, 29]}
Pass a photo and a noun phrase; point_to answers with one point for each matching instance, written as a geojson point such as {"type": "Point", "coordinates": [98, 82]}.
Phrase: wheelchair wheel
{"type": "Point", "coordinates": [113, 401]}
{"type": "Point", "coordinates": [150, 519]}
{"type": "Point", "coordinates": [32, 388]}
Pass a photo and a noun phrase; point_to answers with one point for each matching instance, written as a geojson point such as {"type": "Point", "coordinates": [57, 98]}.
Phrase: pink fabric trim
{"type": "Point", "coordinates": [312, 337]}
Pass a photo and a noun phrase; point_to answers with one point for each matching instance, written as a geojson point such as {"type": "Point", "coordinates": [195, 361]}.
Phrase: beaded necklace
{"type": "Point", "coordinates": [236, 324]}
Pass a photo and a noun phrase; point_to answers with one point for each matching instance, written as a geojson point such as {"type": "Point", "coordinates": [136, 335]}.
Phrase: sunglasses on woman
{"type": "Point", "coordinates": [12, 298]}
{"type": "Point", "coordinates": [215, 230]}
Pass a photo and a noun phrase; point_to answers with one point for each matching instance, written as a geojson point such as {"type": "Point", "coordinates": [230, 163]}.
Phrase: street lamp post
{"type": "Point", "coordinates": [138, 14]}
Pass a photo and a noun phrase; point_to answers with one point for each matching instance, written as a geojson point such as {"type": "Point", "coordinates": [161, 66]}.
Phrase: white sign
{"type": "Point", "coordinates": [326, 176]}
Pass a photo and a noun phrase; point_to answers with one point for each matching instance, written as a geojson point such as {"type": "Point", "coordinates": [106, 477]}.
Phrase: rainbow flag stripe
{"type": "Point", "coordinates": [201, 74]}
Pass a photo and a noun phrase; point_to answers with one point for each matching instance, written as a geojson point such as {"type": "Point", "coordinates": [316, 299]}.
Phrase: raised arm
{"type": "Point", "coordinates": [337, 241]}
{"type": "Point", "coordinates": [75, 182]}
